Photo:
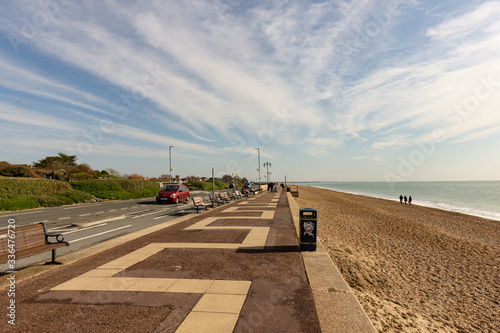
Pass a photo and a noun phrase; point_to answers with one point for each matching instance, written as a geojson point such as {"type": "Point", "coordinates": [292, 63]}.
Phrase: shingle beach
{"type": "Point", "coordinates": [413, 268]}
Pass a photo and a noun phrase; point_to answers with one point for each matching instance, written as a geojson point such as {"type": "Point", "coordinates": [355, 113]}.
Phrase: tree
{"type": "Point", "coordinates": [227, 178]}
{"type": "Point", "coordinates": [68, 159]}
{"type": "Point", "coordinates": [113, 172]}
{"type": "Point", "coordinates": [56, 162]}
{"type": "Point", "coordinates": [135, 176]}
{"type": "Point", "coordinates": [84, 167]}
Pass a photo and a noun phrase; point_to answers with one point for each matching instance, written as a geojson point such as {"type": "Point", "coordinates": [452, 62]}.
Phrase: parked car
{"type": "Point", "coordinates": [247, 188]}
{"type": "Point", "coordinates": [173, 193]}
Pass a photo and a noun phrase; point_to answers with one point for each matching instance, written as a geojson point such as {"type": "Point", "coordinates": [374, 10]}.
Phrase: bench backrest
{"type": "Point", "coordinates": [222, 195]}
{"type": "Point", "coordinates": [198, 201]}
{"type": "Point", "coordinates": [26, 237]}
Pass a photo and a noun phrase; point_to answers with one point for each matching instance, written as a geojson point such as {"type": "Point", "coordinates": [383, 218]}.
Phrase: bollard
{"type": "Point", "coordinates": [308, 223]}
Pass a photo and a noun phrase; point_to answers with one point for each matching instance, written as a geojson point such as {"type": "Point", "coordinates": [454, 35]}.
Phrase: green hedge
{"type": "Point", "coordinates": [26, 193]}
{"type": "Point", "coordinates": [117, 189]}
{"type": "Point", "coordinates": [206, 186]}
{"type": "Point", "coordinates": [18, 203]}
{"type": "Point", "coordinates": [19, 187]}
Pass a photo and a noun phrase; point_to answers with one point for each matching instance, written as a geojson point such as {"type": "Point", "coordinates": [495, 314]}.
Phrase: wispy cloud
{"type": "Point", "coordinates": [208, 76]}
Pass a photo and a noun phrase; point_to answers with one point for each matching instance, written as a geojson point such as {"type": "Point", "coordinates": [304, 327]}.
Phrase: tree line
{"type": "Point", "coordinates": [65, 167]}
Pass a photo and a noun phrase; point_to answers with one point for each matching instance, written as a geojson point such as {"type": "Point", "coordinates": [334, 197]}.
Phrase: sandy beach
{"type": "Point", "coordinates": [413, 268]}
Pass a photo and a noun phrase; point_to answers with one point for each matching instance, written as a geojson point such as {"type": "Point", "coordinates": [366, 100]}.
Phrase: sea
{"type": "Point", "coordinates": [478, 198]}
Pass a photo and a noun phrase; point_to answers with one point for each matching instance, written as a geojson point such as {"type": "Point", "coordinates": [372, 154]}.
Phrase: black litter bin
{"type": "Point", "coordinates": [308, 223]}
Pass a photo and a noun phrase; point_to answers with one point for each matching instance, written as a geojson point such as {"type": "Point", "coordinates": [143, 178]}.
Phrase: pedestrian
{"type": "Point", "coordinates": [401, 198]}
{"type": "Point", "coordinates": [409, 200]}
{"type": "Point", "coordinates": [406, 199]}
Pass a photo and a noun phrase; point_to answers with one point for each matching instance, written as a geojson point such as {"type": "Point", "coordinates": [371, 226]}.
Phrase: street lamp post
{"type": "Point", "coordinates": [170, 161]}
{"type": "Point", "coordinates": [267, 165]}
{"type": "Point", "coordinates": [258, 164]}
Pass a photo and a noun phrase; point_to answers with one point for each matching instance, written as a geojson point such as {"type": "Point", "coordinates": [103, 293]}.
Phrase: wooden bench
{"type": "Point", "coordinates": [236, 195]}
{"type": "Point", "coordinates": [224, 196]}
{"type": "Point", "coordinates": [19, 242]}
{"type": "Point", "coordinates": [216, 199]}
{"type": "Point", "coordinates": [199, 202]}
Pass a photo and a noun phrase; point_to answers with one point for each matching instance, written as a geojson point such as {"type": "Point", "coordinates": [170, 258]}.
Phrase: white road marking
{"type": "Point", "coordinates": [155, 212]}
{"type": "Point", "coordinates": [44, 221]}
{"type": "Point", "coordinates": [101, 233]}
{"type": "Point", "coordinates": [64, 218]}
{"type": "Point", "coordinates": [59, 228]}
{"type": "Point", "coordinates": [83, 229]}
{"type": "Point", "coordinates": [112, 210]}
{"type": "Point", "coordinates": [18, 214]}
{"type": "Point", "coordinates": [85, 214]}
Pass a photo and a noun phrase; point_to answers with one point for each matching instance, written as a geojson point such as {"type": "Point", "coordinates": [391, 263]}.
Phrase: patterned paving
{"type": "Point", "coordinates": [219, 307]}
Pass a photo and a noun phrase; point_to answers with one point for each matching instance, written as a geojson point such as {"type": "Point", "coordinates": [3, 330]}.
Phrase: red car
{"type": "Point", "coordinates": [173, 193]}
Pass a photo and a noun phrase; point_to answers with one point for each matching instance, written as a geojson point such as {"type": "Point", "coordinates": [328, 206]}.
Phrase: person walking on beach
{"type": "Point", "coordinates": [401, 198]}
{"type": "Point", "coordinates": [406, 199]}
{"type": "Point", "coordinates": [409, 200]}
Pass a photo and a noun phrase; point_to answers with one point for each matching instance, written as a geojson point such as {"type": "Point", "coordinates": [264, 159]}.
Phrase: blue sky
{"type": "Point", "coordinates": [327, 90]}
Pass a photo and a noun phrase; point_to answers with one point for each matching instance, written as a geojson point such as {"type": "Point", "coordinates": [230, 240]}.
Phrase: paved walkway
{"type": "Point", "coordinates": [234, 268]}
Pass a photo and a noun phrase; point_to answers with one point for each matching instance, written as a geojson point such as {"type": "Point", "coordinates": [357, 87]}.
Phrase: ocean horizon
{"type": "Point", "coordinates": [477, 198]}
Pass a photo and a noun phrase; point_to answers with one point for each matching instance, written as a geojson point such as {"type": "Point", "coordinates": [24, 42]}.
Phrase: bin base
{"type": "Point", "coordinates": [307, 246]}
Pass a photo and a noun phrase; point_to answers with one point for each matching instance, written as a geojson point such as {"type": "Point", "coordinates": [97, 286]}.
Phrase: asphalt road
{"type": "Point", "coordinates": [128, 216]}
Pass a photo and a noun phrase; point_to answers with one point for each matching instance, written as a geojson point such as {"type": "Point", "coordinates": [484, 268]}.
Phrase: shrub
{"type": "Point", "coordinates": [77, 196]}
{"type": "Point", "coordinates": [81, 176]}
{"type": "Point", "coordinates": [18, 203]}
{"type": "Point", "coordinates": [135, 176]}
{"type": "Point", "coordinates": [206, 186]}
{"type": "Point", "coordinates": [52, 200]}
{"type": "Point", "coordinates": [17, 171]}
{"type": "Point", "coordinates": [23, 187]}
{"type": "Point", "coordinates": [198, 185]}
{"type": "Point", "coordinates": [95, 186]}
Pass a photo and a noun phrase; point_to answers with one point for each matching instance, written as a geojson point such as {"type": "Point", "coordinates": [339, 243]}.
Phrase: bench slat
{"type": "Point", "coordinates": [32, 251]}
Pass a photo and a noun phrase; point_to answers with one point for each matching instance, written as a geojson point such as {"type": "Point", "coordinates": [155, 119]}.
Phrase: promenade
{"type": "Point", "coordinates": [236, 268]}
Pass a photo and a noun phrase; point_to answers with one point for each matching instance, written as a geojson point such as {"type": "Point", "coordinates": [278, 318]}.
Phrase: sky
{"type": "Point", "coordinates": [362, 90]}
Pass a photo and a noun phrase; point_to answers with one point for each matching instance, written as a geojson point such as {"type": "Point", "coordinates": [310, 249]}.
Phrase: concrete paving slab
{"type": "Point", "coordinates": [196, 286]}
{"type": "Point", "coordinates": [100, 273]}
{"type": "Point", "coordinates": [152, 285]}
{"type": "Point", "coordinates": [208, 322]}
{"type": "Point", "coordinates": [115, 284]}
{"type": "Point", "coordinates": [83, 283]}
{"type": "Point", "coordinates": [220, 303]}
{"type": "Point", "coordinates": [118, 264]}
{"type": "Point", "coordinates": [229, 287]}
{"type": "Point", "coordinates": [228, 246]}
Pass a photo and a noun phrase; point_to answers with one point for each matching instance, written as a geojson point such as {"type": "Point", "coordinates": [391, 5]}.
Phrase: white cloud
{"type": "Point", "coordinates": [208, 76]}
{"type": "Point", "coordinates": [28, 81]}
{"type": "Point", "coordinates": [479, 20]}
{"type": "Point", "coordinates": [19, 115]}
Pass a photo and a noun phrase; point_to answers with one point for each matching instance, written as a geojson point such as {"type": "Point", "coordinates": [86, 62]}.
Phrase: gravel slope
{"type": "Point", "coordinates": [414, 269]}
